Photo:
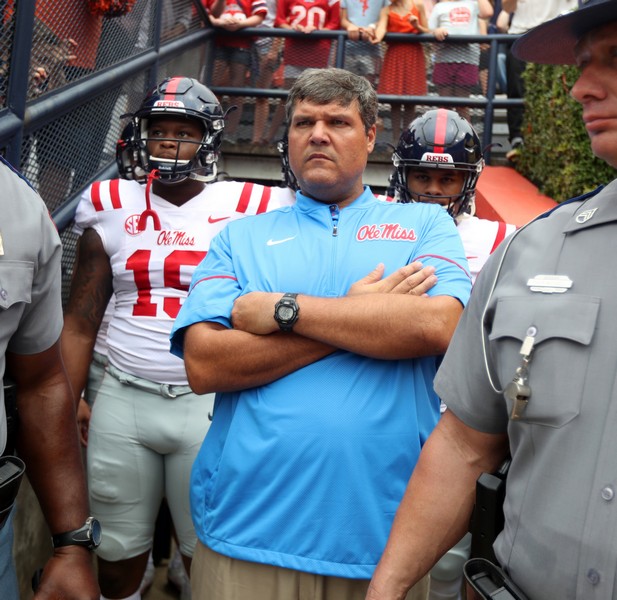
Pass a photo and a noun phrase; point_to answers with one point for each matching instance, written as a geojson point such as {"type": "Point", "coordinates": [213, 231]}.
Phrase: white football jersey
{"type": "Point", "coordinates": [480, 238]}
{"type": "Point", "coordinates": [152, 269]}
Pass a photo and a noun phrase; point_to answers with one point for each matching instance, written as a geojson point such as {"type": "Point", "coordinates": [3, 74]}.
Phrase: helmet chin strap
{"type": "Point", "coordinates": [205, 178]}
{"type": "Point", "coordinates": [174, 178]}
{"type": "Point", "coordinates": [166, 169]}
{"type": "Point", "coordinates": [149, 212]}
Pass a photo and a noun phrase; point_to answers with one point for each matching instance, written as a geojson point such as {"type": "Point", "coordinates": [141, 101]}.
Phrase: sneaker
{"type": "Point", "coordinates": [176, 573]}
{"type": "Point", "coordinates": [513, 154]}
{"type": "Point", "coordinates": [148, 577]}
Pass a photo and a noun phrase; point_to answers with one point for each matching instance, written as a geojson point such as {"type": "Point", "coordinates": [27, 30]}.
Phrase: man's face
{"type": "Point", "coordinates": [596, 89]}
{"type": "Point", "coordinates": [328, 150]}
{"type": "Point", "coordinates": [438, 186]}
{"type": "Point", "coordinates": [164, 133]}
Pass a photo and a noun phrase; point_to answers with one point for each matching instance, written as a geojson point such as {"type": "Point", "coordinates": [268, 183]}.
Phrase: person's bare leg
{"type": "Point", "coordinates": [262, 112]}
{"type": "Point", "coordinates": [262, 105]}
{"type": "Point", "coordinates": [238, 79]}
{"type": "Point", "coordinates": [396, 113]}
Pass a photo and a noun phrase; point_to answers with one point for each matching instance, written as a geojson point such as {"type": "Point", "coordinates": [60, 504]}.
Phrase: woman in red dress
{"type": "Point", "coordinates": [404, 66]}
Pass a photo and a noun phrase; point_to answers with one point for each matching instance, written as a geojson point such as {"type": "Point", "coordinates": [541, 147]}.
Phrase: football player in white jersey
{"type": "Point", "coordinates": [141, 239]}
{"type": "Point", "coordinates": [439, 159]}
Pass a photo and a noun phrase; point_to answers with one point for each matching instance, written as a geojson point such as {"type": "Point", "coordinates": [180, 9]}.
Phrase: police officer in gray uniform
{"type": "Point", "coordinates": [531, 370]}
{"type": "Point", "coordinates": [30, 326]}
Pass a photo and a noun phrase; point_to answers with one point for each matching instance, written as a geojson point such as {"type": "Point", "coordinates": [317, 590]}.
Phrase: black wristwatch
{"type": "Point", "coordinates": [286, 312]}
{"type": "Point", "coordinates": [89, 535]}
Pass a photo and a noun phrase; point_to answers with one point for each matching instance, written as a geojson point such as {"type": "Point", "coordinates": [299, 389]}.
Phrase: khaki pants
{"type": "Point", "coordinates": [218, 577]}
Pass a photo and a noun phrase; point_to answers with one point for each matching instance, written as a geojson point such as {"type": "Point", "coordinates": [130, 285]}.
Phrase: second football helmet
{"type": "Point", "coordinates": [127, 155]}
{"type": "Point", "coordinates": [182, 97]}
{"type": "Point", "coordinates": [439, 139]}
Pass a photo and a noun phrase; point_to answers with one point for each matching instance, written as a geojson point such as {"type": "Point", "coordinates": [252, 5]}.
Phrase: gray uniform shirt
{"type": "Point", "coordinates": [30, 253]}
{"type": "Point", "coordinates": [560, 537]}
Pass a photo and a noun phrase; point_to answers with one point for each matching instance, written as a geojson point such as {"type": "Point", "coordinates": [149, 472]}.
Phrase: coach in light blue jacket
{"type": "Point", "coordinates": [313, 325]}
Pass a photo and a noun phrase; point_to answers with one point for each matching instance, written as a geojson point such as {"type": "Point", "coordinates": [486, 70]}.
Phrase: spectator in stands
{"type": "Point", "coordinates": [305, 16]}
{"type": "Point", "coordinates": [65, 42]}
{"type": "Point", "coordinates": [267, 56]}
{"type": "Point", "coordinates": [214, 7]}
{"type": "Point", "coordinates": [360, 18]}
{"type": "Point", "coordinates": [502, 24]}
{"type": "Point", "coordinates": [402, 16]}
{"type": "Point", "coordinates": [456, 67]}
{"type": "Point", "coordinates": [483, 25]}
{"type": "Point", "coordinates": [525, 15]}
{"type": "Point", "coordinates": [490, 26]}
{"type": "Point", "coordinates": [233, 54]}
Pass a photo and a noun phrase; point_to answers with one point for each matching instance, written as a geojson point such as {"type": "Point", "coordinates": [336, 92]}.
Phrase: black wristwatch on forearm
{"type": "Point", "coordinates": [286, 312]}
{"type": "Point", "coordinates": [88, 535]}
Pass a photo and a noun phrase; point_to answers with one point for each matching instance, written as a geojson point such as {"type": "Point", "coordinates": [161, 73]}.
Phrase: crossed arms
{"type": "Point", "coordinates": [385, 318]}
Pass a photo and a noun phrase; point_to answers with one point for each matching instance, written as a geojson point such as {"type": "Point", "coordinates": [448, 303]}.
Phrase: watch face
{"type": "Point", "coordinates": [95, 532]}
{"type": "Point", "coordinates": [285, 313]}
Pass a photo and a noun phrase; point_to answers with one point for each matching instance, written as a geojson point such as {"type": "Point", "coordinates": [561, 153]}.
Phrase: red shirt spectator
{"type": "Point", "coordinates": [307, 16]}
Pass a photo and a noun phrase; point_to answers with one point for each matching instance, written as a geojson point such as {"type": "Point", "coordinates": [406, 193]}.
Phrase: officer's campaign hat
{"type": "Point", "coordinates": [552, 43]}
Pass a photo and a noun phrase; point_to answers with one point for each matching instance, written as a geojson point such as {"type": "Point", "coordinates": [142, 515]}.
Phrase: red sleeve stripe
{"type": "Point", "coordinates": [501, 234]}
{"type": "Point", "coordinates": [265, 199]}
{"type": "Point", "coordinates": [245, 198]}
{"type": "Point", "coordinates": [95, 195]}
{"type": "Point", "coordinates": [106, 195]}
{"type": "Point", "coordinates": [114, 192]}
{"type": "Point", "coordinates": [213, 277]}
{"type": "Point", "coordinates": [257, 7]}
{"type": "Point", "coordinates": [438, 257]}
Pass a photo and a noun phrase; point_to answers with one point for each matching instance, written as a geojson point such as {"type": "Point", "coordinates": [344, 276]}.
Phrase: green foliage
{"type": "Point", "coordinates": [557, 156]}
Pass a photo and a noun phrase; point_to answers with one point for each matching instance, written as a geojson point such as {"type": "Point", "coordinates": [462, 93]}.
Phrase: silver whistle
{"type": "Point", "coordinates": [518, 391]}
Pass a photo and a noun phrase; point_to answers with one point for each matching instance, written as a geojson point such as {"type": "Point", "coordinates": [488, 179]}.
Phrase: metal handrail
{"type": "Point", "coordinates": [488, 102]}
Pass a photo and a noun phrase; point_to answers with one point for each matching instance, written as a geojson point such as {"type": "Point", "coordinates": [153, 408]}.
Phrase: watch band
{"type": "Point", "coordinates": [88, 535]}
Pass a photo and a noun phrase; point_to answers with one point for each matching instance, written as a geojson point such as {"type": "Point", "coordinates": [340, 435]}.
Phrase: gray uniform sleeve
{"type": "Point", "coordinates": [462, 381]}
{"type": "Point", "coordinates": [33, 245]}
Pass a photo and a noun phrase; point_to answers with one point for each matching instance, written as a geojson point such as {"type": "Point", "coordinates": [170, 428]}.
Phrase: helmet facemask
{"type": "Point", "coordinates": [460, 203]}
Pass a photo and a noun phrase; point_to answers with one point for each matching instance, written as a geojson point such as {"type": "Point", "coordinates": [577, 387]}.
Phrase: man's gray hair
{"type": "Point", "coordinates": [323, 86]}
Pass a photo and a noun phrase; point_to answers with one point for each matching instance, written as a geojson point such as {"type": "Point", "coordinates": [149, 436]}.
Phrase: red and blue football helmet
{"type": "Point", "coordinates": [181, 97]}
{"type": "Point", "coordinates": [439, 139]}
